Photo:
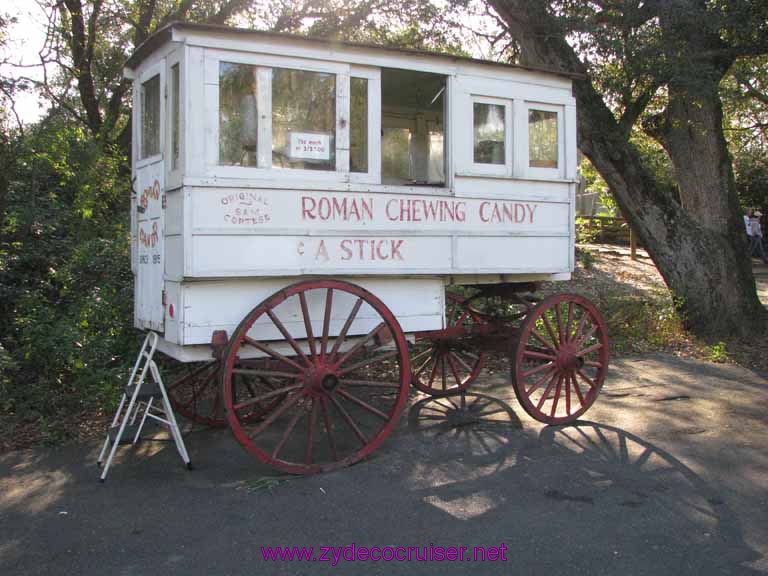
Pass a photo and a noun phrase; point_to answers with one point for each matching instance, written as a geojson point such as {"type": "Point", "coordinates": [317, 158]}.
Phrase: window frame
{"type": "Point", "coordinates": [373, 76]}
{"type": "Point", "coordinates": [157, 69]}
{"type": "Point", "coordinates": [544, 173]}
{"type": "Point", "coordinates": [264, 169]}
{"type": "Point", "coordinates": [174, 175]}
{"type": "Point", "coordinates": [479, 168]}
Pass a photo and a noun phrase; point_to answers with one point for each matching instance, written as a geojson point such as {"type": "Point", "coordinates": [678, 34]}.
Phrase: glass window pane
{"type": "Point", "coordinates": [175, 118]}
{"type": "Point", "coordinates": [150, 119]}
{"type": "Point", "coordinates": [303, 119]}
{"type": "Point", "coordinates": [489, 133]}
{"type": "Point", "coordinates": [238, 115]}
{"type": "Point", "coordinates": [358, 125]}
{"type": "Point", "coordinates": [542, 139]}
{"type": "Point", "coordinates": [395, 155]}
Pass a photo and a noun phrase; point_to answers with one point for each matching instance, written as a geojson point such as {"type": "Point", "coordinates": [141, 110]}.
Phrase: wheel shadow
{"type": "Point", "coordinates": [476, 426]}
{"type": "Point", "coordinates": [627, 505]}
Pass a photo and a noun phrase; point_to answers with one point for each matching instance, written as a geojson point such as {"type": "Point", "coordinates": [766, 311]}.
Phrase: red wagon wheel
{"type": "Point", "coordinates": [341, 396]}
{"type": "Point", "coordinates": [561, 359]}
{"type": "Point", "coordinates": [447, 366]}
{"type": "Point", "coordinates": [195, 392]}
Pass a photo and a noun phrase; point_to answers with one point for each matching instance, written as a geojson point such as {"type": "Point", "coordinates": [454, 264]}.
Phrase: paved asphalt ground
{"type": "Point", "coordinates": [668, 476]}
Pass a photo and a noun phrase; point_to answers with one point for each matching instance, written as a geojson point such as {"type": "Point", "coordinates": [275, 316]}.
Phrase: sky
{"type": "Point", "coordinates": [26, 40]}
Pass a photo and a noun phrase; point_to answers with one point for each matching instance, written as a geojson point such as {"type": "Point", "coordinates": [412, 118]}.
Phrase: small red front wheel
{"type": "Point", "coordinates": [561, 359]}
{"type": "Point", "coordinates": [448, 366]}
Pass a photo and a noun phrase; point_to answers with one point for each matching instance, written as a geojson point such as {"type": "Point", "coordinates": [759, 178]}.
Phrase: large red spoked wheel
{"type": "Point", "coordinates": [443, 366]}
{"type": "Point", "coordinates": [340, 396]}
{"type": "Point", "coordinates": [195, 393]}
{"type": "Point", "coordinates": [561, 359]}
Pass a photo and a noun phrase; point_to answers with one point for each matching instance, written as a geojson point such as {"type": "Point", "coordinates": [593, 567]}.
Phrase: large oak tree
{"type": "Point", "coordinates": [660, 63]}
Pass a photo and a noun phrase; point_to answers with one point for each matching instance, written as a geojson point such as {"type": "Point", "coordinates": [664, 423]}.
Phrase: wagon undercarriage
{"type": "Point", "coordinates": [328, 393]}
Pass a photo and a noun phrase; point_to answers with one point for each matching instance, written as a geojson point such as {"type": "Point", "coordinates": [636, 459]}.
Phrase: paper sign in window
{"type": "Point", "coordinates": [309, 146]}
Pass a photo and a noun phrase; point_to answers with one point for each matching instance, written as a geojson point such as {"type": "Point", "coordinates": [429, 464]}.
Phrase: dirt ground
{"type": "Point", "coordinates": [665, 476]}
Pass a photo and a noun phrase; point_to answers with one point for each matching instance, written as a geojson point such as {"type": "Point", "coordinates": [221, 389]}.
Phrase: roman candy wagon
{"type": "Point", "coordinates": [318, 226]}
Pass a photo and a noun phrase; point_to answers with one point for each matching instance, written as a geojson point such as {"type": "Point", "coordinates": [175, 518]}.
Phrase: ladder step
{"type": "Point", "coordinates": [149, 389]}
{"type": "Point", "coordinates": [128, 433]}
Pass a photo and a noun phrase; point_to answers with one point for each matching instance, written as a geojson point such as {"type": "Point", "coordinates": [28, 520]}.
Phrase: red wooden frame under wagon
{"type": "Point", "coordinates": [318, 225]}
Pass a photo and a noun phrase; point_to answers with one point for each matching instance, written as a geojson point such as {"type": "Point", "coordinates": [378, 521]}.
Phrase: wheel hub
{"type": "Point", "coordinates": [568, 359]}
{"type": "Point", "coordinates": [329, 382]}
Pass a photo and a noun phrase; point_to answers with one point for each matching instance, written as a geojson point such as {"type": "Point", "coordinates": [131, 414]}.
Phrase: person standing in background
{"type": "Point", "coordinates": [756, 241]}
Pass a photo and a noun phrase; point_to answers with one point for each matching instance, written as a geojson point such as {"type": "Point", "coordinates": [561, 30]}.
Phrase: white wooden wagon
{"type": "Point", "coordinates": [301, 206]}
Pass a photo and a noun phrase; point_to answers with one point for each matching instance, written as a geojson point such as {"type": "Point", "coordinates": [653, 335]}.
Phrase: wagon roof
{"type": "Point", "coordinates": [164, 34]}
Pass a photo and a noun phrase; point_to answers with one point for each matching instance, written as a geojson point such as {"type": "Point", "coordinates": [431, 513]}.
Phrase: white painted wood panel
{"type": "Point", "coordinates": [513, 255]}
{"type": "Point", "coordinates": [251, 255]}
{"type": "Point", "coordinates": [221, 305]}
{"type": "Point", "coordinates": [244, 211]}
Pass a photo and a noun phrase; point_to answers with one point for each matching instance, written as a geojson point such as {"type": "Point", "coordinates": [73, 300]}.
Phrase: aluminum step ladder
{"type": "Point", "coordinates": [147, 398]}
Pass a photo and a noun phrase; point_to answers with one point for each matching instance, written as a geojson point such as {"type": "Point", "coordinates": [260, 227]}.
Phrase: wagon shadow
{"type": "Point", "coordinates": [605, 492]}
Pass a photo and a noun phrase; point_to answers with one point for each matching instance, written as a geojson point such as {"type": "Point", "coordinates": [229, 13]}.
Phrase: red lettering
{"type": "Point", "coordinates": [381, 256]}
{"type": "Point", "coordinates": [482, 211]}
{"type": "Point", "coordinates": [308, 206]}
{"type": "Point", "coordinates": [531, 210]}
{"type": "Point", "coordinates": [322, 252]}
{"type": "Point", "coordinates": [324, 208]}
{"type": "Point", "coordinates": [395, 252]}
{"type": "Point", "coordinates": [367, 208]}
{"type": "Point", "coordinates": [461, 214]}
{"type": "Point", "coordinates": [360, 247]}
{"type": "Point", "coordinates": [519, 213]}
{"type": "Point", "coordinates": [347, 250]}
{"type": "Point", "coordinates": [508, 211]}
{"type": "Point", "coordinates": [389, 204]}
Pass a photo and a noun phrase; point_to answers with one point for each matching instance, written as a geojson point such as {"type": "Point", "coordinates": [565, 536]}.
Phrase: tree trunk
{"type": "Point", "coordinates": [697, 245]}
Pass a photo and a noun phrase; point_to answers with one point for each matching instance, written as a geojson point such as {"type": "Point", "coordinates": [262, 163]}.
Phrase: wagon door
{"type": "Point", "coordinates": [149, 187]}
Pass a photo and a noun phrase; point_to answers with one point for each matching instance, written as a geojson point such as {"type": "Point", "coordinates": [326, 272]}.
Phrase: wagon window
{"type": "Point", "coordinates": [412, 121]}
{"type": "Point", "coordinates": [542, 139]}
{"type": "Point", "coordinates": [358, 125]}
{"type": "Point", "coordinates": [303, 119]}
{"type": "Point", "coordinates": [175, 118]}
{"type": "Point", "coordinates": [489, 133]}
{"type": "Point", "coordinates": [150, 117]}
{"type": "Point", "coordinates": [238, 114]}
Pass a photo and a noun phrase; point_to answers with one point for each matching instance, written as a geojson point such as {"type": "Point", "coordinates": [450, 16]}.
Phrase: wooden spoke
{"type": "Point", "coordinates": [326, 321]}
{"type": "Point", "coordinates": [559, 322]}
{"type": "Point", "coordinates": [311, 422]}
{"type": "Point", "coordinates": [343, 334]}
{"type": "Point", "coordinates": [547, 390]}
{"type": "Point", "coordinates": [368, 362]}
{"type": "Point", "coordinates": [535, 386]}
{"type": "Point", "coordinates": [590, 349]}
{"type": "Point", "coordinates": [370, 383]}
{"type": "Point", "coordinates": [287, 403]}
{"type": "Point", "coordinates": [296, 348]}
{"type": "Point", "coordinates": [267, 396]}
{"type": "Point", "coordinates": [307, 324]}
{"type": "Point", "coordinates": [364, 405]}
{"type": "Point", "coordinates": [540, 338]}
{"type": "Point", "coordinates": [348, 419]}
{"type": "Point", "coordinates": [568, 321]}
{"type": "Point", "coordinates": [359, 344]}
{"type": "Point", "coordinates": [577, 388]}
{"type": "Point", "coordinates": [557, 395]}
{"type": "Point", "coordinates": [538, 369]}
{"type": "Point", "coordinates": [276, 355]}
{"type": "Point", "coordinates": [287, 433]}
{"type": "Point", "coordinates": [328, 428]}
{"type": "Point", "coordinates": [273, 373]}
{"type": "Point", "coordinates": [539, 355]}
